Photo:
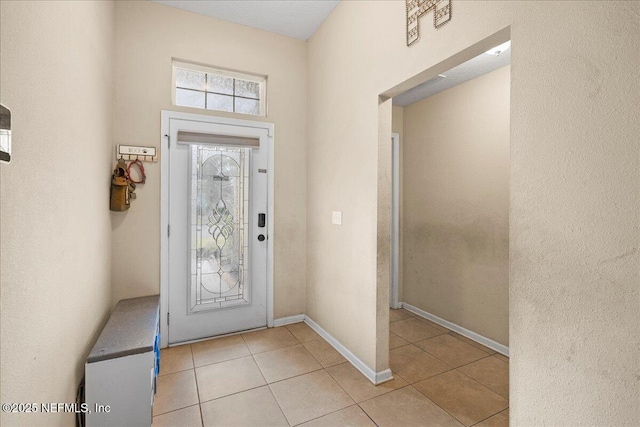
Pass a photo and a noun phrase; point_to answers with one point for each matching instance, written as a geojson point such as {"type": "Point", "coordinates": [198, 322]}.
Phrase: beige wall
{"type": "Point", "coordinates": [55, 246]}
{"type": "Point", "coordinates": [574, 190]}
{"type": "Point", "coordinates": [573, 205]}
{"type": "Point", "coordinates": [456, 205]}
{"type": "Point", "coordinates": [148, 36]}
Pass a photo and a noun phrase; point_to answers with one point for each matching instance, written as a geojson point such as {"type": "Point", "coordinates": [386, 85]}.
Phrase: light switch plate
{"type": "Point", "coordinates": [336, 217]}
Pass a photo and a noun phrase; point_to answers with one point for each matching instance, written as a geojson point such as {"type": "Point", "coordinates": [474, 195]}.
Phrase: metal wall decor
{"type": "Point", "coordinates": [416, 8]}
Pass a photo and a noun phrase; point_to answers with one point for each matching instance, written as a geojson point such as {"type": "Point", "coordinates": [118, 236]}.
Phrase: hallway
{"type": "Point", "coordinates": [290, 376]}
{"type": "Point", "coordinates": [515, 217]}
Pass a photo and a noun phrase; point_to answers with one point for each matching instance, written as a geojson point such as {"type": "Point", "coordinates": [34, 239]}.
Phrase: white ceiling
{"type": "Point", "coordinates": [466, 71]}
{"type": "Point", "coordinates": [298, 19]}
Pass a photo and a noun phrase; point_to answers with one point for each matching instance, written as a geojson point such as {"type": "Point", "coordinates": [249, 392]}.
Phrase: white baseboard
{"type": "Point", "coordinates": [496, 346]}
{"type": "Point", "coordinates": [373, 376]}
{"type": "Point", "coordinates": [288, 320]}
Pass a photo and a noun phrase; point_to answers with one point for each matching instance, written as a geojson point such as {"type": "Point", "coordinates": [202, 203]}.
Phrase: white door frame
{"type": "Point", "coordinates": [395, 221]}
{"type": "Point", "coordinates": [164, 208]}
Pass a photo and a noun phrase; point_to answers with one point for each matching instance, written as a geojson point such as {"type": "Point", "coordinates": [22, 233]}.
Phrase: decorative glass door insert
{"type": "Point", "coordinates": [219, 237]}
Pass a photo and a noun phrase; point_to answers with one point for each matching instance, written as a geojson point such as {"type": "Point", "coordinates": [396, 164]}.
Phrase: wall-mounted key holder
{"type": "Point", "coordinates": [135, 152]}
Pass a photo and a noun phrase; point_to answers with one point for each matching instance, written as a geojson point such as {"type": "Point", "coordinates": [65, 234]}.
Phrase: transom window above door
{"type": "Point", "coordinates": [209, 88]}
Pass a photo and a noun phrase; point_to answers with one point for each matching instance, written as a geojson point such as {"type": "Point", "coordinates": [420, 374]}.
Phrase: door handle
{"type": "Point", "coordinates": [261, 220]}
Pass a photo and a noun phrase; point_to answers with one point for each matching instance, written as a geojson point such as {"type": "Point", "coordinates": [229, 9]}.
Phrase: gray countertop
{"type": "Point", "coordinates": [130, 330]}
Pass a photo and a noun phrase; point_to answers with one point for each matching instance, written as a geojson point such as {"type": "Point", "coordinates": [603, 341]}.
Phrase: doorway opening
{"type": "Point", "coordinates": [449, 228]}
{"type": "Point", "coordinates": [450, 190]}
{"type": "Point", "coordinates": [217, 227]}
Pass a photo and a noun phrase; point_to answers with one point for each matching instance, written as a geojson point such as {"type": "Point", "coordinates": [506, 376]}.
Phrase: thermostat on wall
{"type": "Point", "coordinates": [5, 134]}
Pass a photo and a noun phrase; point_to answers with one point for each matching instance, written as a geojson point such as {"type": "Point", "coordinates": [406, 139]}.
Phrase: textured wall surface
{"type": "Point", "coordinates": [574, 259]}
{"type": "Point", "coordinates": [148, 36]}
{"type": "Point", "coordinates": [574, 211]}
{"type": "Point", "coordinates": [456, 205]}
{"type": "Point", "coordinates": [55, 244]}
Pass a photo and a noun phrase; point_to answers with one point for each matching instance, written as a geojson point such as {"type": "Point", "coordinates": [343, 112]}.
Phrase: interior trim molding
{"type": "Point", "coordinates": [288, 320]}
{"type": "Point", "coordinates": [373, 376]}
{"type": "Point", "coordinates": [487, 342]}
{"type": "Point", "coordinates": [394, 285]}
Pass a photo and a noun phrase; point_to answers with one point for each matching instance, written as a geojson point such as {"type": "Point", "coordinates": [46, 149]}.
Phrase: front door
{"type": "Point", "coordinates": [217, 229]}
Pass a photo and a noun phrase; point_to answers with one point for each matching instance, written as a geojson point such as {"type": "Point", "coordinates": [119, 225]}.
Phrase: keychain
{"type": "Point", "coordinates": [123, 186]}
{"type": "Point", "coordinates": [120, 187]}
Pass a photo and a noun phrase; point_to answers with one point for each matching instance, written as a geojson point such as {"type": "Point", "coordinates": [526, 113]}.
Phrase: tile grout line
{"type": "Point", "coordinates": [322, 368]}
{"type": "Point", "coordinates": [273, 349]}
{"type": "Point", "coordinates": [302, 322]}
{"type": "Point", "coordinates": [295, 376]}
{"type": "Point", "coordinates": [433, 376]}
{"type": "Point", "coordinates": [442, 373]}
{"type": "Point", "coordinates": [274, 328]}
{"type": "Point", "coordinates": [461, 366]}
{"type": "Point", "coordinates": [400, 346]}
{"type": "Point", "coordinates": [262, 374]}
{"type": "Point", "coordinates": [328, 413]}
{"type": "Point", "coordinates": [329, 373]}
{"type": "Point", "coordinates": [472, 379]}
{"type": "Point", "coordinates": [176, 410]}
{"type": "Point", "coordinates": [266, 382]}
{"type": "Point", "coordinates": [433, 355]}
{"type": "Point", "coordinates": [475, 343]}
{"type": "Point", "coordinates": [260, 370]}
{"type": "Point", "coordinates": [269, 384]}
{"type": "Point", "coordinates": [175, 372]}
{"type": "Point", "coordinates": [367, 414]}
{"type": "Point", "coordinates": [483, 385]}
{"type": "Point", "coordinates": [197, 391]}
{"type": "Point", "coordinates": [425, 339]}
{"type": "Point", "coordinates": [222, 361]}
{"type": "Point", "coordinates": [339, 385]}
{"type": "Point", "coordinates": [375, 397]}
{"type": "Point", "coordinates": [381, 394]}
{"type": "Point", "coordinates": [477, 360]}
{"type": "Point", "coordinates": [239, 357]}
{"type": "Point", "coordinates": [276, 349]}
{"type": "Point", "coordinates": [314, 357]}
{"type": "Point", "coordinates": [452, 369]}
{"type": "Point", "coordinates": [234, 393]}
{"type": "Point", "coordinates": [499, 412]}
{"type": "Point", "coordinates": [482, 347]}
{"type": "Point", "coordinates": [427, 397]}
{"type": "Point", "coordinates": [197, 388]}
{"type": "Point", "coordinates": [424, 379]}
{"type": "Point", "coordinates": [278, 403]}
{"type": "Point", "coordinates": [421, 394]}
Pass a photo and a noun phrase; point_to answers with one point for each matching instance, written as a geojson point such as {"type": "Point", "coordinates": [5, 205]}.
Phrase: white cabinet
{"type": "Point", "coordinates": [121, 370]}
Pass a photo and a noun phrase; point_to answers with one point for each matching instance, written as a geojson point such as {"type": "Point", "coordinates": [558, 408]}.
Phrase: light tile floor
{"type": "Point", "coordinates": [290, 376]}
